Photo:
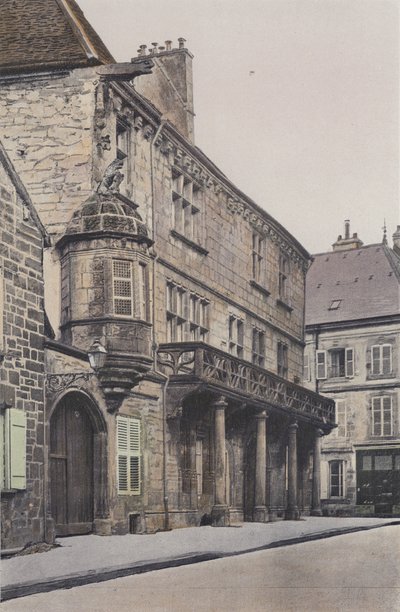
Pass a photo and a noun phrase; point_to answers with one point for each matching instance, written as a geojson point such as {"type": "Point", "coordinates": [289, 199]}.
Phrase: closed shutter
{"type": "Point", "coordinates": [134, 444]}
{"type": "Point", "coordinates": [16, 448]}
{"type": "Point", "coordinates": [321, 365]}
{"type": "Point", "coordinates": [128, 455]}
{"type": "Point", "coordinates": [376, 359]}
{"type": "Point", "coordinates": [122, 454]}
{"type": "Point", "coordinates": [349, 364]}
{"type": "Point", "coordinates": [386, 359]}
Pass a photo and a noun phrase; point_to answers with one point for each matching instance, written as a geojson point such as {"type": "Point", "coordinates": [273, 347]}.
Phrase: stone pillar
{"type": "Point", "coordinates": [260, 509]}
{"type": "Point", "coordinates": [292, 511]}
{"type": "Point", "coordinates": [102, 521]}
{"type": "Point", "coordinates": [220, 510]}
{"type": "Point", "coordinates": [316, 476]}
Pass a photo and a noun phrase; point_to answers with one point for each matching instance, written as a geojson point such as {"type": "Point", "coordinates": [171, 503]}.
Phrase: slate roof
{"type": "Point", "coordinates": [43, 34]}
{"type": "Point", "coordinates": [365, 280]}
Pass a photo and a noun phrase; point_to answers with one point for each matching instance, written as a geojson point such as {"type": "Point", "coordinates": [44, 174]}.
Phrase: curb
{"type": "Point", "coordinates": [69, 581]}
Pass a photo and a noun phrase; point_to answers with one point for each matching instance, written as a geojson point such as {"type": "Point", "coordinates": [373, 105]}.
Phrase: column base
{"type": "Point", "coordinates": [292, 514]}
{"type": "Point", "coordinates": [102, 527]}
{"type": "Point", "coordinates": [220, 516]}
{"type": "Point", "coordinates": [316, 512]}
{"type": "Point", "coordinates": [260, 514]}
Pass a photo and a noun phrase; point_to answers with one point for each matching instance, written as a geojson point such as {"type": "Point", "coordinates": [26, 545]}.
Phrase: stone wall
{"type": "Point", "coordinates": [22, 371]}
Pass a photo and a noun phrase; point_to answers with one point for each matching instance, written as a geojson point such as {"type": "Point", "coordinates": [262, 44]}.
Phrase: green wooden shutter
{"type": "Point", "coordinates": [122, 454]}
{"type": "Point", "coordinates": [16, 448]}
{"type": "Point", "coordinates": [135, 454]}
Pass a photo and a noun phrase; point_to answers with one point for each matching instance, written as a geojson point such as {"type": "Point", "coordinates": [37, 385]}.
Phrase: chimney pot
{"type": "Point", "coordinates": [181, 42]}
{"type": "Point", "coordinates": [161, 49]}
{"type": "Point", "coordinates": [143, 49]}
{"type": "Point", "coordinates": [168, 45]}
{"type": "Point", "coordinates": [347, 229]}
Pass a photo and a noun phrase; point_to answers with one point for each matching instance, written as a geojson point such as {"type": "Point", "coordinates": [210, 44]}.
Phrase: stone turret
{"type": "Point", "coordinates": [105, 287]}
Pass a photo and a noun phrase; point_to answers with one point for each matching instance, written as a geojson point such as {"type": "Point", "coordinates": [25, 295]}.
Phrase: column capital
{"type": "Point", "coordinates": [219, 403]}
{"type": "Point", "coordinates": [319, 432]}
{"type": "Point", "coordinates": [293, 426]}
{"type": "Point", "coordinates": [262, 414]}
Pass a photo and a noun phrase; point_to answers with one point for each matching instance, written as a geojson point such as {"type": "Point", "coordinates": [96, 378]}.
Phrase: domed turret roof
{"type": "Point", "coordinates": [106, 213]}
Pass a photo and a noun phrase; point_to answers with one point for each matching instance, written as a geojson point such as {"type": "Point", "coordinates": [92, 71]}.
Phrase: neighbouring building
{"type": "Point", "coordinates": [173, 373]}
{"type": "Point", "coordinates": [352, 355]}
{"type": "Point", "coordinates": [22, 332]}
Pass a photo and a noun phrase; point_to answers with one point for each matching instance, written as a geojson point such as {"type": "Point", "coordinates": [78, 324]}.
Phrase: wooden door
{"type": "Point", "coordinates": [71, 468]}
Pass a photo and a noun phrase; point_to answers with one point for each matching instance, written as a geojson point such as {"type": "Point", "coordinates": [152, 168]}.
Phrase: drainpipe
{"type": "Point", "coordinates": [154, 342]}
{"type": "Point", "coordinates": [316, 349]}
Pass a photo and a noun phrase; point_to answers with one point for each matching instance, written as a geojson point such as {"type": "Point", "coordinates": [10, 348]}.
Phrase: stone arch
{"type": "Point", "coordinates": [77, 465]}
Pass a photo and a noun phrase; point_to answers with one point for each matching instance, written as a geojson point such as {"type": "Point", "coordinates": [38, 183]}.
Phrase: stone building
{"type": "Point", "coordinates": [172, 377]}
{"type": "Point", "coordinates": [352, 355]}
{"type": "Point", "coordinates": [21, 362]}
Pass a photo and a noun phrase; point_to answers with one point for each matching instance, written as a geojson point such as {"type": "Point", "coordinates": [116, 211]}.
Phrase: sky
{"type": "Point", "coordinates": [296, 101]}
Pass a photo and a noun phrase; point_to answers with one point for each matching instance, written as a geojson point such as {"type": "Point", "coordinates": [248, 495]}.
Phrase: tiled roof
{"type": "Point", "coordinates": [354, 284]}
{"type": "Point", "coordinates": [42, 34]}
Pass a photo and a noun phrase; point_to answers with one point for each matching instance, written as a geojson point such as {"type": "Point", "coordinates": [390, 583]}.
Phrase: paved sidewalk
{"type": "Point", "coordinates": [86, 559]}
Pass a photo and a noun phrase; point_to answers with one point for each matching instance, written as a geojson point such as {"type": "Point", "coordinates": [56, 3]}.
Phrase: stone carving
{"type": "Point", "coordinates": [112, 178]}
{"type": "Point", "coordinates": [125, 71]}
{"type": "Point", "coordinates": [57, 383]}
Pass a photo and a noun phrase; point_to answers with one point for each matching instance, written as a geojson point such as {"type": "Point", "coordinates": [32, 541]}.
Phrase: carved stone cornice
{"type": "Point", "coordinates": [188, 164]}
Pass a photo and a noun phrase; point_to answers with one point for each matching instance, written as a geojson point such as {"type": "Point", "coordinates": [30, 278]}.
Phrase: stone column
{"type": "Point", "coordinates": [316, 476]}
{"type": "Point", "coordinates": [220, 510]}
{"type": "Point", "coordinates": [292, 511]}
{"type": "Point", "coordinates": [260, 508]}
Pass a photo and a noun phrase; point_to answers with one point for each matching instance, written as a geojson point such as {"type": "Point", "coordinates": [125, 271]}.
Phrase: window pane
{"type": "Point", "coordinates": [367, 463]}
{"type": "Point", "coordinates": [383, 462]}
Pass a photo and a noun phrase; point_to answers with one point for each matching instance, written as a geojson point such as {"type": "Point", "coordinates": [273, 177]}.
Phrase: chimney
{"type": "Point", "coordinates": [347, 243]}
{"type": "Point", "coordinates": [170, 86]}
{"type": "Point", "coordinates": [396, 241]}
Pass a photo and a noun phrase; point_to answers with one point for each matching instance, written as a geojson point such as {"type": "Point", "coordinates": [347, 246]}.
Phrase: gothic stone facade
{"type": "Point", "coordinates": [195, 413]}
{"type": "Point", "coordinates": [352, 356]}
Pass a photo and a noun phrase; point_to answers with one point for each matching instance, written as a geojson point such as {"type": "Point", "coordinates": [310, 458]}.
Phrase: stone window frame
{"type": "Point", "coordinates": [176, 312]}
{"type": "Point", "coordinates": [284, 278]}
{"type": "Point", "coordinates": [258, 347]}
{"type": "Point", "coordinates": [129, 429]}
{"type": "Point", "coordinates": [236, 336]}
{"type": "Point", "coordinates": [187, 210]}
{"type": "Point", "coordinates": [198, 317]}
{"type": "Point", "coordinates": [282, 359]}
{"type": "Point", "coordinates": [140, 295]}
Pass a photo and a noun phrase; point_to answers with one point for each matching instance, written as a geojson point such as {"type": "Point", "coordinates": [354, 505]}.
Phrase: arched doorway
{"type": "Point", "coordinates": [73, 449]}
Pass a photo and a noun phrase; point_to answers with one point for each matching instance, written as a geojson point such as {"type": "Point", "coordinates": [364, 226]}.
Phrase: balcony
{"type": "Point", "coordinates": [196, 362]}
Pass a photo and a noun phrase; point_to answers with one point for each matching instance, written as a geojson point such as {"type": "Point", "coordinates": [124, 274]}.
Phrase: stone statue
{"type": "Point", "coordinates": [112, 178]}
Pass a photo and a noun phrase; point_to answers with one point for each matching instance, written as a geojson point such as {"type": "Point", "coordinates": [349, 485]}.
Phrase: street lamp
{"type": "Point", "coordinates": [97, 355]}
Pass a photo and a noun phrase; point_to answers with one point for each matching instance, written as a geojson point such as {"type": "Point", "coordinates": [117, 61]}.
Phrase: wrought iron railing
{"type": "Point", "coordinates": [209, 364]}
